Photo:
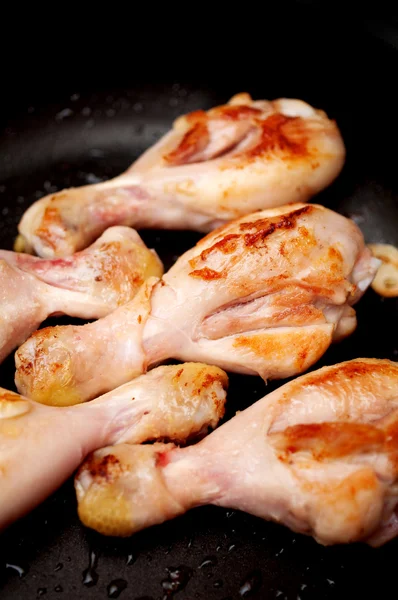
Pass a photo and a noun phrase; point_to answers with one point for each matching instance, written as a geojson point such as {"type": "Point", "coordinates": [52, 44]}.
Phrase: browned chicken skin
{"type": "Point", "coordinates": [264, 294]}
{"type": "Point", "coordinates": [89, 284]}
{"type": "Point", "coordinates": [318, 455]}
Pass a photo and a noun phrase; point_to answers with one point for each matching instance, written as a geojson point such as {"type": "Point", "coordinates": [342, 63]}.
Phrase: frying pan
{"type": "Point", "coordinates": [79, 112]}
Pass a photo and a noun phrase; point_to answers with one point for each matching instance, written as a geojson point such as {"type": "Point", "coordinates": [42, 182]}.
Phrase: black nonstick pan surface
{"type": "Point", "coordinates": [85, 126]}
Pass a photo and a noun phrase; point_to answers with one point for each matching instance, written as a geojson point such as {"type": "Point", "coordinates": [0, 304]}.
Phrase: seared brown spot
{"type": "Point", "coordinates": [344, 498]}
{"type": "Point", "coordinates": [107, 467]}
{"type": "Point", "coordinates": [196, 116]}
{"type": "Point", "coordinates": [255, 234]}
{"type": "Point", "coordinates": [226, 245]}
{"type": "Point", "coordinates": [139, 318]}
{"type": "Point", "coordinates": [334, 261]}
{"type": "Point", "coordinates": [260, 345]}
{"type": "Point", "coordinates": [298, 345]}
{"type": "Point", "coordinates": [263, 228]}
{"type": "Point", "coordinates": [304, 231]}
{"type": "Point", "coordinates": [194, 141]}
{"type": "Point", "coordinates": [47, 232]}
{"type": "Point", "coordinates": [302, 357]}
{"type": "Point", "coordinates": [329, 440]}
{"type": "Point", "coordinates": [207, 274]}
{"type": "Point", "coordinates": [178, 374]}
{"type": "Point", "coordinates": [280, 133]}
{"type": "Point", "coordinates": [209, 379]}
{"type": "Point", "coordinates": [352, 370]}
{"type": "Point", "coordinates": [334, 254]}
{"type": "Point", "coordinates": [26, 366]}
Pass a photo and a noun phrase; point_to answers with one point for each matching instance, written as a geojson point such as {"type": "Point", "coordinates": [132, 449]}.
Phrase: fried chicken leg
{"type": "Point", "coordinates": [89, 284]}
{"type": "Point", "coordinates": [318, 455]}
{"type": "Point", "coordinates": [210, 168]}
{"type": "Point", "coordinates": [265, 294]}
{"type": "Point", "coordinates": [41, 446]}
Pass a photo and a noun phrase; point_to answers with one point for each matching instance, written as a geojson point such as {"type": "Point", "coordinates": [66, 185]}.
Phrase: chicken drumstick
{"type": "Point", "coordinates": [318, 455]}
{"type": "Point", "coordinates": [89, 284]}
{"type": "Point", "coordinates": [265, 294]}
{"type": "Point", "coordinates": [212, 167]}
{"type": "Point", "coordinates": [41, 446]}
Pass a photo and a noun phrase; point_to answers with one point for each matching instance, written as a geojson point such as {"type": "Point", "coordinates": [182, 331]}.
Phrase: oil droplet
{"type": "Point", "coordinates": [90, 575]}
{"type": "Point", "coordinates": [190, 542]}
{"type": "Point", "coordinates": [63, 114]}
{"type": "Point", "coordinates": [229, 513]}
{"type": "Point", "coordinates": [231, 547]}
{"type": "Point", "coordinates": [116, 587]}
{"type": "Point", "coordinates": [130, 559]}
{"type": "Point", "coordinates": [303, 586]}
{"type": "Point", "coordinates": [41, 591]}
{"type": "Point", "coordinates": [59, 567]}
{"type": "Point", "coordinates": [218, 583]}
{"type": "Point", "coordinates": [58, 588]}
{"type": "Point", "coordinates": [330, 581]}
{"type": "Point", "coordinates": [177, 579]}
{"type": "Point", "coordinates": [209, 561]}
{"type": "Point", "coordinates": [251, 584]}
{"type": "Point", "coordinates": [278, 593]}
{"type": "Point", "coordinates": [218, 548]}
{"type": "Point", "coordinates": [20, 570]}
